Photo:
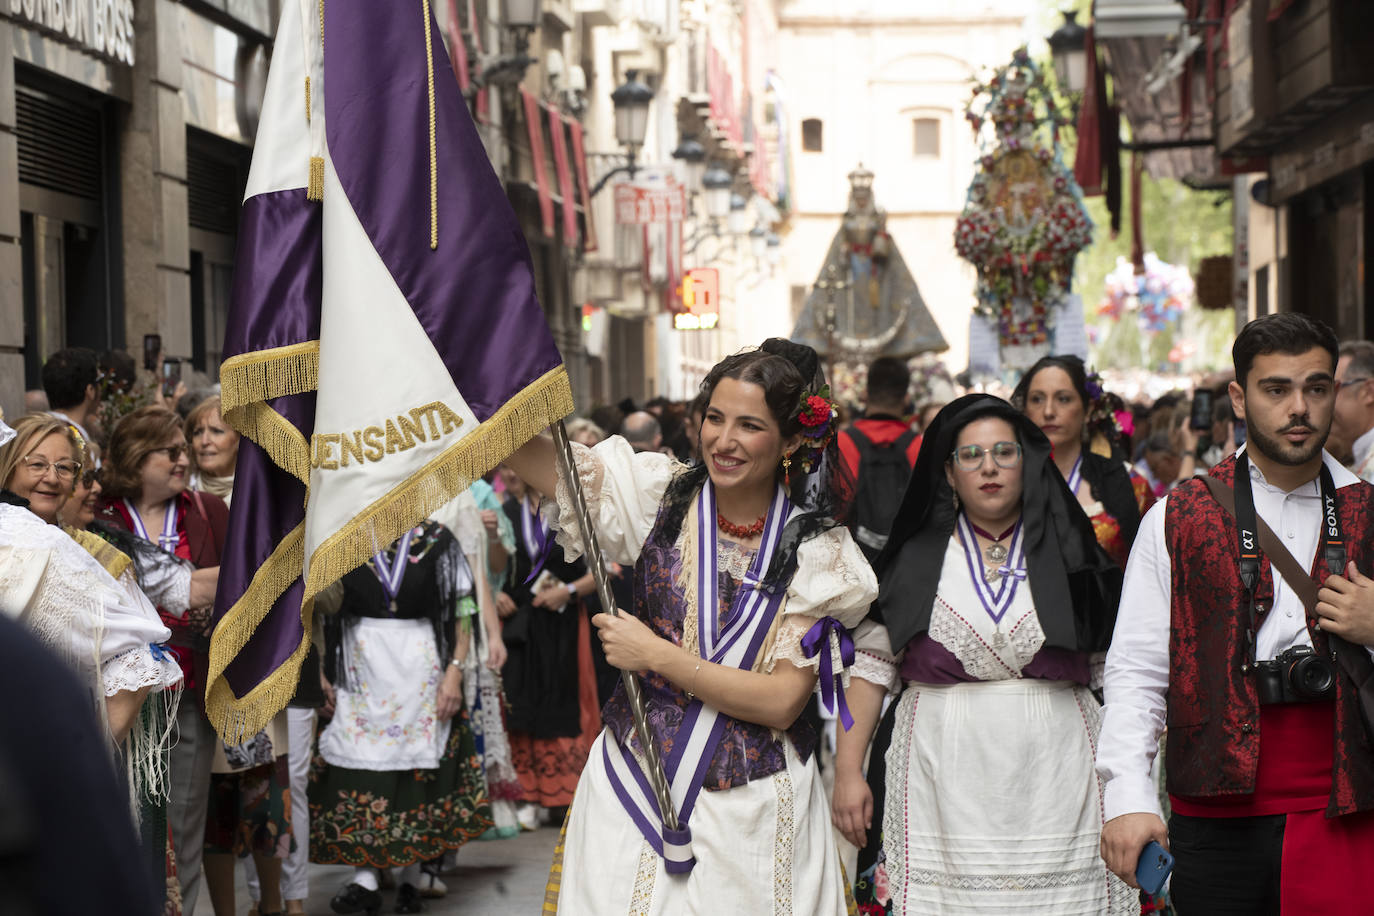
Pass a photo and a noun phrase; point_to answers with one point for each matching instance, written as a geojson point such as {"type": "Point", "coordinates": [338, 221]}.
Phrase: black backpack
{"type": "Point", "coordinates": [882, 478]}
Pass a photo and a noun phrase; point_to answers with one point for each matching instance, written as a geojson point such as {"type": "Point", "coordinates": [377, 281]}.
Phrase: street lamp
{"type": "Point", "coordinates": [693, 156]}
{"type": "Point", "coordinates": [738, 223]}
{"type": "Point", "coordinates": [521, 17]}
{"type": "Point", "coordinates": [631, 100]}
{"type": "Point", "coordinates": [716, 184]}
{"type": "Point", "coordinates": [1070, 55]}
{"type": "Point", "coordinates": [758, 242]}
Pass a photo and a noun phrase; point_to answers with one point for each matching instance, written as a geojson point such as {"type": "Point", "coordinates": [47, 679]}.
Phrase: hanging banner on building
{"type": "Point", "coordinates": [700, 297]}
{"type": "Point", "coordinates": [541, 177]}
{"type": "Point", "coordinates": [564, 173]}
{"type": "Point", "coordinates": [640, 205]}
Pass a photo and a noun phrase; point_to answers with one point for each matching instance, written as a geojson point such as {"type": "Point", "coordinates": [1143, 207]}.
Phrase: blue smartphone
{"type": "Point", "coordinates": [1153, 868]}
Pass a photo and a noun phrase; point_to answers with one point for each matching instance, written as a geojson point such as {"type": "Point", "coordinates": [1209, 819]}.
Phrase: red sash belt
{"type": "Point", "coordinates": [1294, 773]}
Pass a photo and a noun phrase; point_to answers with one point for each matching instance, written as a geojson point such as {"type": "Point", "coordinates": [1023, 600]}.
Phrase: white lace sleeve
{"type": "Point", "coordinates": [832, 580]}
{"type": "Point", "coordinates": [139, 667]}
{"type": "Point", "coordinates": [623, 490]}
{"type": "Point", "coordinates": [873, 658]}
{"type": "Point", "coordinates": [168, 586]}
{"type": "Point", "coordinates": [71, 603]}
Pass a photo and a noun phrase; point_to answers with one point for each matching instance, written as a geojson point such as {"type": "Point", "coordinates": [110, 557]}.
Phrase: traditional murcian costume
{"type": "Point", "coordinates": [751, 796]}
{"type": "Point", "coordinates": [548, 675]}
{"type": "Point", "coordinates": [394, 784]}
{"type": "Point", "coordinates": [985, 799]}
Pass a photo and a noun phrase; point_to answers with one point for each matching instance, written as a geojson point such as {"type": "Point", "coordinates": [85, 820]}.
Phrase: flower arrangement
{"type": "Point", "coordinates": [1024, 222]}
{"type": "Point", "coordinates": [817, 414]}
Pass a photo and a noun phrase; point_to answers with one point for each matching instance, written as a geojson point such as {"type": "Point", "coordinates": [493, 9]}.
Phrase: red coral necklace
{"type": "Point", "coordinates": [742, 532]}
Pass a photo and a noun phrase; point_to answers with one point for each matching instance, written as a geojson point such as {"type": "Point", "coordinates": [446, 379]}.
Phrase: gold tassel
{"type": "Point", "coordinates": [307, 100]}
{"type": "Point", "coordinates": [275, 435]}
{"type": "Point", "coordinates": [433, 148]}
{"type": "Point", "coordinates": [520, 419]}
{"type": "Point", "coordinates": [272, 373]}
{"type": "Point", "coordinates": [314, 188]}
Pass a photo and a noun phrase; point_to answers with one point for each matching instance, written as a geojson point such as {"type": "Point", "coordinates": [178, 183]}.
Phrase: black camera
{"type": "Point", "coordinates": [1298, 675]}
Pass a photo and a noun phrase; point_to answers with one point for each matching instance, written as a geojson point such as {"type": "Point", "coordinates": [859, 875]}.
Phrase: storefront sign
{"type": "Point", "coordinates": [700, 300]}
{"type": "Point", "coordinates": [102, 27]}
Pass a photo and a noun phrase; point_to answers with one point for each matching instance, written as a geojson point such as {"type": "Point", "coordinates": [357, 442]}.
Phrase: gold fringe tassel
{"type": "Point", "coordinates": [542, 402]}
{"type": "Point", "coordinates": [433, 147]}
{"type": "Point", "coordinates": [265, 374]}
{"type": "Point", "coordinates": [115, 561]}
{"type": "Point", "coordinates": [275, 435]}
{"type": "Point", "coordinates": [236, 718]}
{"type": "Point", "coordinates": [307, 99]}
{"type": "Point", "coordinates": [314, 187]}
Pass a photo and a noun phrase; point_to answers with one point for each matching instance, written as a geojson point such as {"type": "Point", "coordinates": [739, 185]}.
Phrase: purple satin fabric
{"type": "Point", "coordinates": [268, 503]}
{"type": "Point", "coordinates": [817, 641]}
{"type": "Point", "coordinates": [277, 274]}
{"type": "Point", "coordinates": [276, 303]}
{"type": "Point", "coordinates": [928, 662]}
{"type": "Point", "coordinates": [475, 294]}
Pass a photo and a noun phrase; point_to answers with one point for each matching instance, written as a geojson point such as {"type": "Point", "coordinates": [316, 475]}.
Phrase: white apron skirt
{"type": "Point", "coordinates": [764, 847]}
{"type": "Point", "coordinates": [386, 718]}
{"type": "Point", "coordinates": [993, 805]}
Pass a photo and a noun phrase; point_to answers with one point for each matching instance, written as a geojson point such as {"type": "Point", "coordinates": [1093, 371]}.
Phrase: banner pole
{"type": "Point", "coordinates": [592, 551]}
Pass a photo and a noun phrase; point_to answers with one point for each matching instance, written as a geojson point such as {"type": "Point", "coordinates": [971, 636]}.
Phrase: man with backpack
{"type": "Point", "coordinates": [880, 450]}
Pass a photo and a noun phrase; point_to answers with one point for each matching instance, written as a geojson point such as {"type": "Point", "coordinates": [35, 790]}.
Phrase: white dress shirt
{"type": "Point", "coordinates": [1137, 672]}
{"type": "Point", "coordinates": [1363, 451]}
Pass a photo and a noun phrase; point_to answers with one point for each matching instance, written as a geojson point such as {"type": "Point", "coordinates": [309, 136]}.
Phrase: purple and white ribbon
{"type": "Point", "coordinates": [1076, 475]}
{"type": "Point", "coordinates": [817, 641]}
{"type": "Point", "coordinates": [734, 641]}
{"type": "Point", "coordinates": [391, 574]}
{"type": "Point", "coordinates": [995, 601]}
{"type": "Point", "coordinates": [169, 538]}
{"type": "Point", "coordinates": [537, 537]}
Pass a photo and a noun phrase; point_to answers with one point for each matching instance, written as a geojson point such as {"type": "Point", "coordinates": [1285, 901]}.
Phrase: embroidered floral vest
{"type": "Point", "coordinates": [1212, 706]}
{"type": "Point", "coordinates": [746, 751]}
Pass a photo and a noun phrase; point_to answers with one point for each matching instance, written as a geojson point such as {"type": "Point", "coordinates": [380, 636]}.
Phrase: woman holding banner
{"type": "Point", "coordinates": [744, 583]}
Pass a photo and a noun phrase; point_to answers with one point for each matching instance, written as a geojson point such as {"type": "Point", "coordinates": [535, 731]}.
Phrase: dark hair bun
{"type": "Point", "coordinates": [799, 355]}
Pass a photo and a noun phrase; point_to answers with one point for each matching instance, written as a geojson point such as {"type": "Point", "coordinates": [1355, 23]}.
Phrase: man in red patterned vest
{"type": "Point", "coordinates": [1269, 763]}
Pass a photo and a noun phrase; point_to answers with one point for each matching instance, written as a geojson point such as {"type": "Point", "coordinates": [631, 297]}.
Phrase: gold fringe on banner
{"type": "Point", "coordinates": [275, 435]}
{"type": "Point", "coordinates": [542, 402]}
{"type": "Point", "coordinates": [261, 375]}
{"type": "Point", "coordinates": [307, 99]}
{"type": "Point", "coordinates": [115, 561]}
{"type": "Point", "coordinates": [314, 188]}
{"type": "Point", "coordinates": [238, 718]}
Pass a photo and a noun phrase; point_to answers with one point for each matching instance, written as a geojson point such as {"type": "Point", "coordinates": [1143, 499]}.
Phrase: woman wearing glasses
{"type": "Point", "coordinates": [981, 794]}
{"type": "Point", "coordinates": [145, 475]}
{"type": "Point", "coordinates": [46, 580]}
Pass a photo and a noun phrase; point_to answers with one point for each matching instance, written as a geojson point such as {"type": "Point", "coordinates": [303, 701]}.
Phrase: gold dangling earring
{"type": "Point", "coordinates": [787, 471]}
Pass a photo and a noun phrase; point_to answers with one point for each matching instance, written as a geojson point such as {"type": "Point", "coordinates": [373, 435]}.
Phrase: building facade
{"type": "Point", "coordinates": [884, 83]}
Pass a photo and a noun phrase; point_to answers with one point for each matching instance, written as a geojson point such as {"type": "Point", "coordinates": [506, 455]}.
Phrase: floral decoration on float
{"type": "Point", "coordinates": [1023, 222]}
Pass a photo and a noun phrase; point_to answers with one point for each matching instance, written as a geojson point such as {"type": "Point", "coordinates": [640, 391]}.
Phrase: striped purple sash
{"type": "Point", "coordinates": [735, 641]}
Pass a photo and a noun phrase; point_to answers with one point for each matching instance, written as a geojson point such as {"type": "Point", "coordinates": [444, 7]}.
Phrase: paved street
{"type": "Point", "coordinates": [505, 876]}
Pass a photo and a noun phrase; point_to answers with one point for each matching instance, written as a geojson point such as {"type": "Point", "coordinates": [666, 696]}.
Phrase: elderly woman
{"type": "Point", "coordinates": [109, 633]}
{"type": "Point", "coordinates": [214, 450]}
{"type": "Point", "coordinates": [145, 476]}
{"type": "Point", "coordinates": [994, 594]}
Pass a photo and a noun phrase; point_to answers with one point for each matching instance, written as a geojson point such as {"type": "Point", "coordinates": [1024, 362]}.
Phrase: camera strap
{"type": "Point", "coordinates": [1352, 659]}
{"type": "Point", "coordinates": [1253, 536]}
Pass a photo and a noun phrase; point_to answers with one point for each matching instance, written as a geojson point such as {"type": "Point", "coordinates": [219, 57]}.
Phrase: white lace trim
{"type": "Point", "coordinates": [894, 809]}
{"type": "Point", "coordinates": [980, 660]}
{"type": "Point", "coordinates": [787, 647]}
{"type": "Point", "coordinates": [137, 668]}
{"type": "Point", "coordinates": [783, 845]}
{"type": "Point", "coordinates": [876, 669]}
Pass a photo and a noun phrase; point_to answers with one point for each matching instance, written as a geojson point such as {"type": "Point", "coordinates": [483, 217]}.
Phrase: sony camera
{"type": "Point", "coordinates": [1298, 675]}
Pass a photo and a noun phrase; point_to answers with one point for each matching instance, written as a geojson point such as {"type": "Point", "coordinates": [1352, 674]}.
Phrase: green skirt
{"type": "Point", "coordinates": [396, 818]}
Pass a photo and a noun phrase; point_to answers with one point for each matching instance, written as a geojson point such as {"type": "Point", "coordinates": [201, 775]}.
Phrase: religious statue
{"type": "Point", "coordinates": [865, 302]}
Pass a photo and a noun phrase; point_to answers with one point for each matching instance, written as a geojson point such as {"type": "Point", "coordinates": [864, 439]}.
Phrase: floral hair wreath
{"type": "Point", "coordinates": [818, 415]}
{"type": "Point", "coordinates": [1106, 411]}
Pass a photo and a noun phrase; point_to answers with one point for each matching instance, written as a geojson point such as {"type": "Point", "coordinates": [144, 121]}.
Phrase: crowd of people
{"type": "Point", "coordinates": [942, 600]}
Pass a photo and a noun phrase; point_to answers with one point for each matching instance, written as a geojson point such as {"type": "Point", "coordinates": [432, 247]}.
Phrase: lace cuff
{"type": "Point", "coordinates": [137, 668]}
{"type": "Point", "coordinates": [873, 658]}
{"type": "Point", "coordinates": [792, 629]}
